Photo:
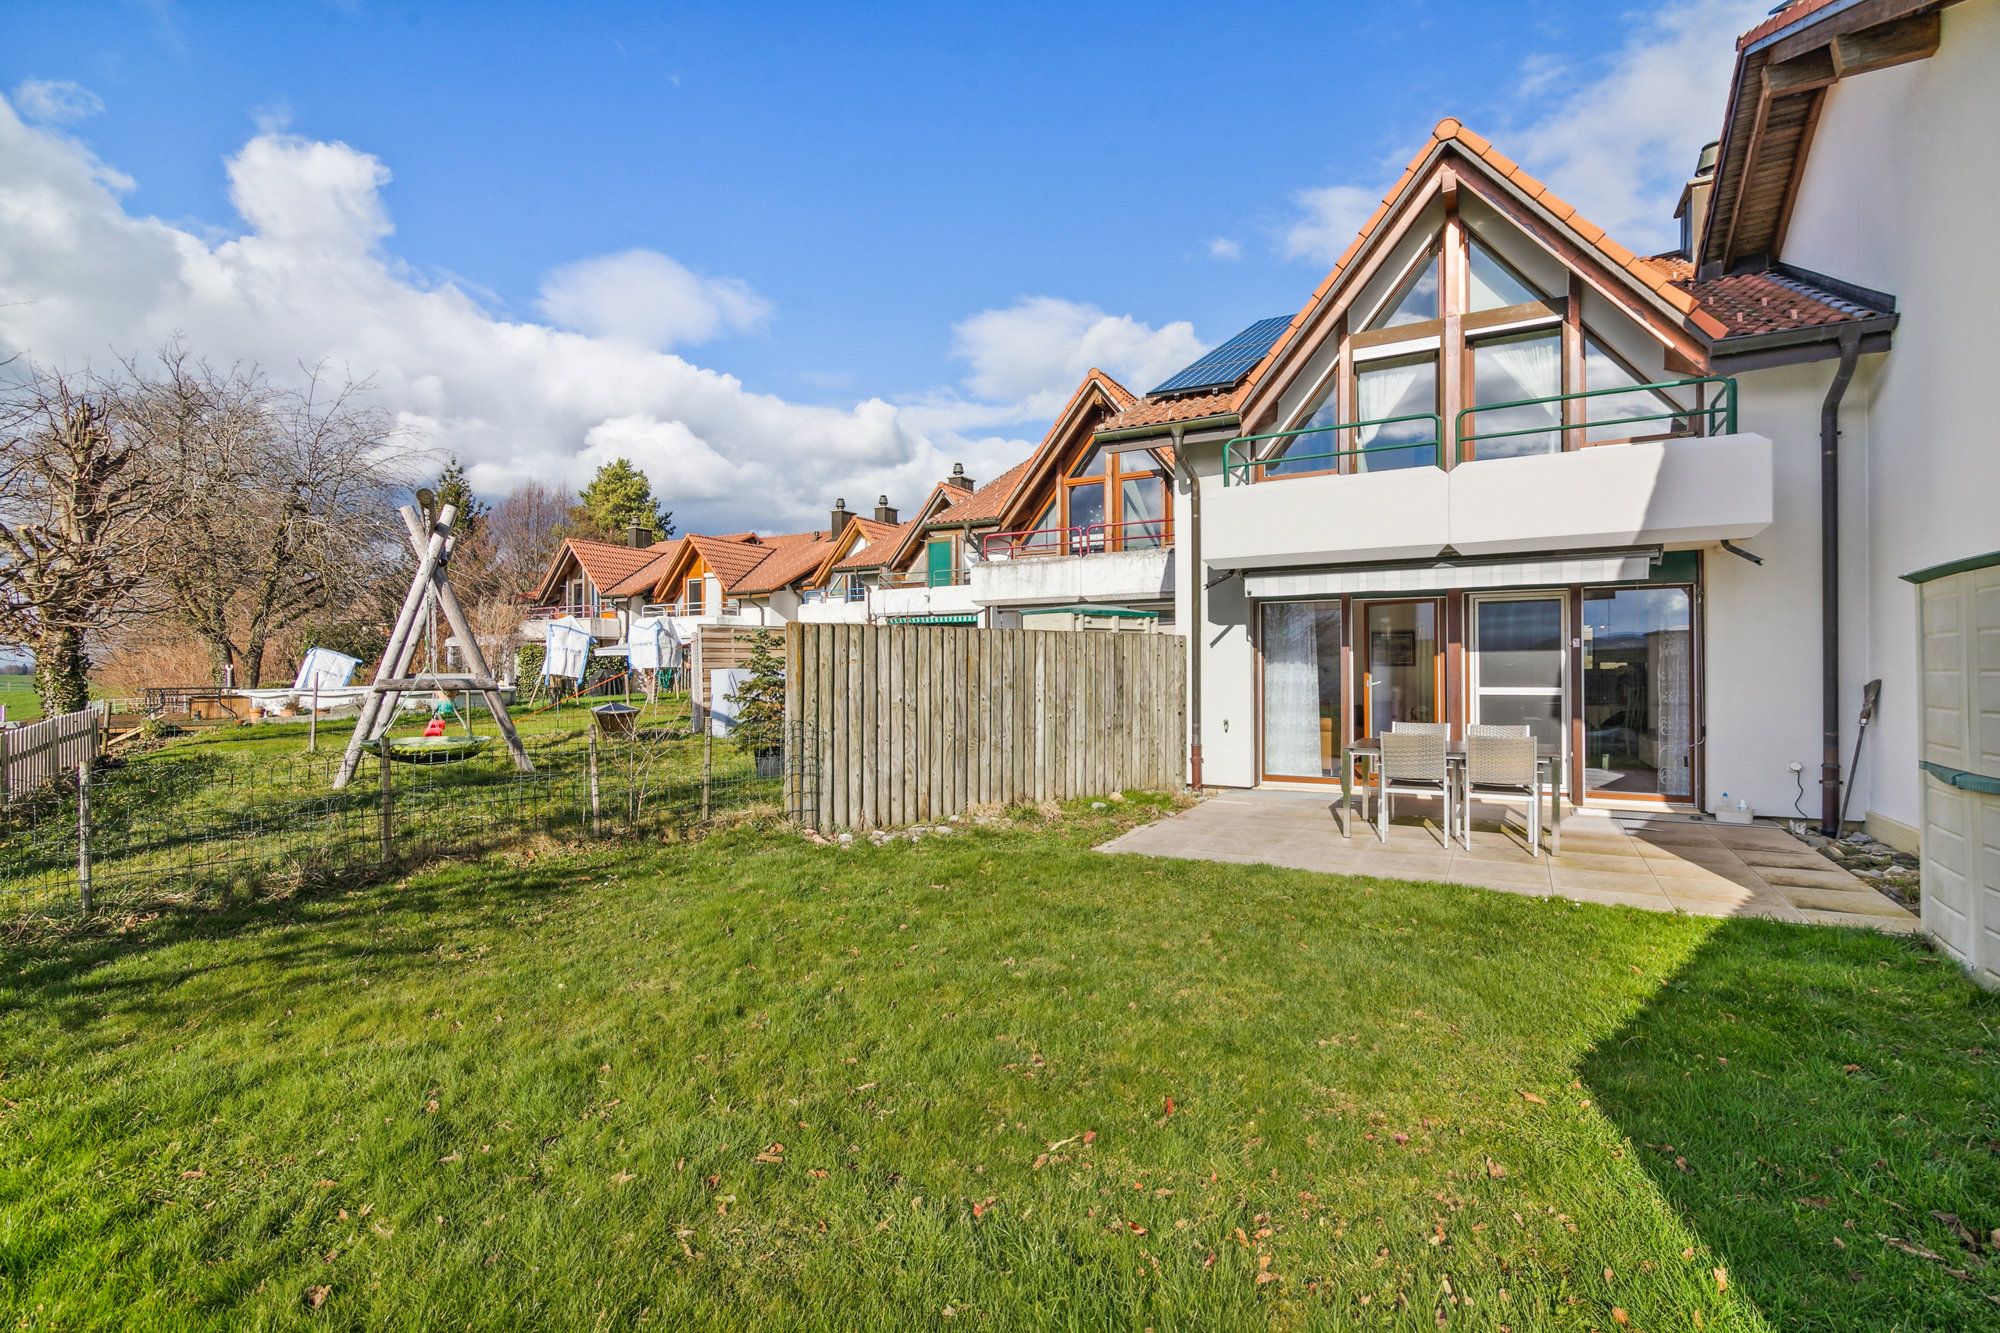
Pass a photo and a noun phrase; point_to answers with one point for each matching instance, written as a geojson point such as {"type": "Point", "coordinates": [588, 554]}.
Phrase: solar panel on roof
{"type": "Point", "coordinates": [1222, 367]}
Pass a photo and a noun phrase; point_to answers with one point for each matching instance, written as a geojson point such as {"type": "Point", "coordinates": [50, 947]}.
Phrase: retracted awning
{"type": "Point", "coordinates": [1446, 575]}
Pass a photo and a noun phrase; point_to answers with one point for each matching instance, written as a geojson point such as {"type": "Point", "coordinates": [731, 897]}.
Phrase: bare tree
{"type": "Point", "coordinates": [519, 538]}
{"type": "Point", "coordinates": [73, 498]}
{"type": "Point", "coordinates": [272, 504]}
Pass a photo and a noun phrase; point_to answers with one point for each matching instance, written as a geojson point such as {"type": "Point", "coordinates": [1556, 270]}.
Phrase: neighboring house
{"type": "Point", "coordinates": [584, 579]}
{"type": "Point", "coordinates": [738, 578]}
{"type": "Point", "coordinates": [1084, 536]}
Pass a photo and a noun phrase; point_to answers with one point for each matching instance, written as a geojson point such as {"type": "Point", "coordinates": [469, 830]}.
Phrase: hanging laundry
{"type": "Point", "coordinates": [566, 649]}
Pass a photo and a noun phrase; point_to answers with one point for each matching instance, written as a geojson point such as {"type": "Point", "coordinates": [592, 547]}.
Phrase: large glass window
{"type": "Point", "coordinates": [1638, 691]}
{"type": "Point", "coordinates": [1399, 387]}
{"type": "Point", "coordinates": [1301, 644]}
{"type": "Point", "coordinates": [1514, 369]}
{"type": "Point", "coordinates": [1490, 283]}
{"type": "Point", "coordinates": [1624, 415]}
{"type": "Point", "coordinates": [1416, 301]}
{"type": "Point", "coordinates": [1119, 503]}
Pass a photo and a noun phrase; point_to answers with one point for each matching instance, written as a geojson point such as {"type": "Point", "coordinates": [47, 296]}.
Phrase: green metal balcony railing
{"type": "Point", "coordinates": [1715, 417]}
{"type": "Point", "coordinates": [1250, 458]}
{"type": "Point", "coordinates": [1243, 462]}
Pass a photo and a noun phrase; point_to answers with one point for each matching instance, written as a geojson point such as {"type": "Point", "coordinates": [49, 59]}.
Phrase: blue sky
{"type": "Point", "coordinates": [847, 186]}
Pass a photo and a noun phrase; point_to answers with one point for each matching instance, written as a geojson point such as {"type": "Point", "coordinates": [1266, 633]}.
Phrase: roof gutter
{"type": "Point", "coordinates": [1786, 347]}
{"type": "Point", "coordinates": [1175, 429]}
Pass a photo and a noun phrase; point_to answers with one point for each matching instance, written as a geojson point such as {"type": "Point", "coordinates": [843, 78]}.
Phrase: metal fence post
{"type": "Point", "coordinates": [707, 761]}
{"type": "Point", "coordinates": [596, 810]}
{"type": "Point", "coordinates": [83, 833]}
{"type": "Point", "coordinates": [6, 772]}
{"type": "Point", "coordinates": [387, 814]}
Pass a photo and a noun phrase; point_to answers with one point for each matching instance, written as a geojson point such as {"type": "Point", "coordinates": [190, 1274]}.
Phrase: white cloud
{"type": "Point", "coordinates": [1616, 137]}
{"type": "Point", "coordinates": [56, 101]}
{"type": "Point", "coordinates": [1326, 221]}
{"type": "Point", "coordinates": [643, 296]}
{"type": "Point", "coordinates": [307, 277]}
{"type": "Point", "coordinates": [1034, 351]}
{"type": "Point", "coordinates": [1225, 249]}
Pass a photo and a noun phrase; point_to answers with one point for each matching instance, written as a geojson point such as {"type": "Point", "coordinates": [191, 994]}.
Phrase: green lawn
{"type": "Point", "coordinates": [17, 695]}
{"type": "Point", "coordinates": [992, 1079]}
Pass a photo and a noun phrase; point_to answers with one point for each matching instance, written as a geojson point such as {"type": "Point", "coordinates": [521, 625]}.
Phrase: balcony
{"type": "Point", "coordinates": [1097, 562]}
{"type": "Point", "coordinates": [603, 624]}
{"type": "Point", "coordinates": [1554, 487]}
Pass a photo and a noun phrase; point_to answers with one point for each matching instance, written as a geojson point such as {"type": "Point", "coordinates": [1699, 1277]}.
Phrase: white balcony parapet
{"type": "Point", "coordinates": [1145, 575]}
{"type": "Point", "coordinates": [1664, 492]}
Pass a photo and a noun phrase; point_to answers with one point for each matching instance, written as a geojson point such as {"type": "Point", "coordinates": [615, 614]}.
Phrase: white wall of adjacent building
{"type": "Point", "coordinates": [1900, 192]}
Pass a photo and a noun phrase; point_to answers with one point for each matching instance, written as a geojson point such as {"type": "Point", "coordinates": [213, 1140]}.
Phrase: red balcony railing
{"type": "Point", "coordinates": [1142, 534]}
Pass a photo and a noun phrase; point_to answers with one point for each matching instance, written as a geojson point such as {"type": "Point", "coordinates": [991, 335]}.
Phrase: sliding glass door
{"type": "Point", "coordinates": [1638, 692]}
{"type": "Point", "coordinates": [1301, 689]}
{"type": "Point", "coordinates": [1517, 663]}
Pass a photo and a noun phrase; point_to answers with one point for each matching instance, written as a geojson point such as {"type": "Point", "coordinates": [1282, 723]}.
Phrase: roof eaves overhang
{"type": "Point", "coordinates": [1790, 347]}
{"type": "Point", "coordinates": [1165, 429]}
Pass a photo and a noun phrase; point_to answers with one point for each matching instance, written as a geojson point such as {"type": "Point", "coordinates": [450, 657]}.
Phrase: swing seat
{"type": "Point", "coordinates": [436, 749]}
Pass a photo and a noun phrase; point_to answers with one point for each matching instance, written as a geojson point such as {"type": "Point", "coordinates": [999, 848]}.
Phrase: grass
{"type": "Point", "coordinates": [993, 1079]}
{"type": "Point", "coordinates": [18, 697]}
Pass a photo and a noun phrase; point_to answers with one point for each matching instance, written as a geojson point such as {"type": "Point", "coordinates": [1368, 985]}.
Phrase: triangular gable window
{"type": "Point", "coordinates": [1416, 301]}
{"type": "Point", "coordinates": [1493, 285]}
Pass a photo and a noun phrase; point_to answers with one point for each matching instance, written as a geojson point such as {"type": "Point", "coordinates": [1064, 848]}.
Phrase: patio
{"type": "Point", "coordinates": [1661, 863]}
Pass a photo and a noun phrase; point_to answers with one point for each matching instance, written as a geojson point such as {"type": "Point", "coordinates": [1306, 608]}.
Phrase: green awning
{"type": "Point", "coordinates": [1951, 567]}
{"type": "Point", "coordinates": [1115, 612]}
{"type": "Point", "coordinates": [960, 618]}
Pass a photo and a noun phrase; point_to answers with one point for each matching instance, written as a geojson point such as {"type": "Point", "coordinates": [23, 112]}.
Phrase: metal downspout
{"type": "Point", "coordinates": [1194, 627]}
{"type": "Point", "coordinates": [1829, 585]}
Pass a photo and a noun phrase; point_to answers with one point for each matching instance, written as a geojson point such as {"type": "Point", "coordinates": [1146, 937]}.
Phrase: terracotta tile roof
{"type": "Point", "coordinates": [1165, 411]}
{"type": "Point", "coordinates": [985, 502]}
{"type": "Point", "coordinates": [791, 557]}
{"type": "Point", "coordinates": [641, 580]}
{"type": "Point", "coordinates": [1773, 301]}
{"type": "Point", "coordinates": [605, 564]}
{"type": "Point", "coordinates": [1784, 18]}
{"type": "Point", "coordinates": [731, 558]}
{"type": "Point", "coordinates": [883, 539]}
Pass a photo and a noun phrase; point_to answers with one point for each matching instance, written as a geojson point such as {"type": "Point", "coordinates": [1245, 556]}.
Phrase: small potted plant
{"type": "Point", "coordinates": [760, 706]}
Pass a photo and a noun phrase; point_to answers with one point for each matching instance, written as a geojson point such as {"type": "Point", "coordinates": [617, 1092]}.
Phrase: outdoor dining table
{"type": "Point", "coordinates": [1548, 764]}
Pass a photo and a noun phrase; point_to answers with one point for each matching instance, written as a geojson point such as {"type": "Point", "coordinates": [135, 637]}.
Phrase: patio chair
{"type": "Point", "coordinates": [1422, 728]}
{"type": "Point", "coordinates": [1413, 764]}
{"type": "Point", "coordinates": [1502, 767]}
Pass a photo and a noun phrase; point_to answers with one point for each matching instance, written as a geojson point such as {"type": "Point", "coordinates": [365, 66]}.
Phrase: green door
{"type": "Point", "coordinates": [938, 554]}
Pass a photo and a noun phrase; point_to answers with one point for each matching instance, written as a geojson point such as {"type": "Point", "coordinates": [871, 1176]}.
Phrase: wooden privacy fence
{"type": "Point", "coordinates": [919, 722]}
{"type": "Point", "coordinates": [40, 751]}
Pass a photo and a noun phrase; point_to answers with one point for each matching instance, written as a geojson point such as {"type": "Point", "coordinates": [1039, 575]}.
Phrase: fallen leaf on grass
{"type": "Point", "coordinates": [196, 1174]}
{"type": "Point", "coordinates": [1815, 1201]}
{"type": "Point", "coordinates": [623, 1178]}
{"type": "Point", "coordinates": [316, 1296]}
{"type": "Point", "coordinates": [1722, 1279]}
{"type": "Point", "coordinates": [1494, 1170]}
{"type": "Point", "coordinates": [1531, 1097]}
{"type": "Point", "coordinates": [1618, 1316]}
{"type": "Point", "coordinates": [771, 1156]}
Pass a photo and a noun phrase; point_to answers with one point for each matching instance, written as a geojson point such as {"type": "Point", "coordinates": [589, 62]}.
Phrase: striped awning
{"type": "Point", "coordinates": [958, 618]}
{"type": "Point", "coordinates": [1449, 575]}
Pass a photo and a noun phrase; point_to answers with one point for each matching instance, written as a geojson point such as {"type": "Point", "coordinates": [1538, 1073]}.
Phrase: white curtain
{"type": "Point", "coordinates": [1291, 689]}
{"type": "Point", "coordinates": [1531, 368]}
{"type": "Point", "coordinates": [1378, 393]}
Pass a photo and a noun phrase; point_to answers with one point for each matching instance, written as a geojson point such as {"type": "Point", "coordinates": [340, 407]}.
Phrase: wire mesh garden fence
{"type": "Point", "coordinates": [185, 827]}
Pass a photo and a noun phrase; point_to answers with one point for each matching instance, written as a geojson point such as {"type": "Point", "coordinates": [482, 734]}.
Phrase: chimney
{"type": "Point", "coordinates": [1693, 207]}
{"type": "Point", "coordinates": [884, 514]}
{"type": "Point", "coordinates": [639, 535]}
{"type": "Point", "coordinates": [840, 517]}
{"type": "Point", "coordinates": [958, 477]}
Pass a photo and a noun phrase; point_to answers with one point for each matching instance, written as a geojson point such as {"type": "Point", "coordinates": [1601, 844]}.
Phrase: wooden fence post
{"type": "Point", "coordinates": [6, 772]}
{"type": "Point", "coordinates": [386, 816]}
{"type": "Point", "coordinates": [596, 812]}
